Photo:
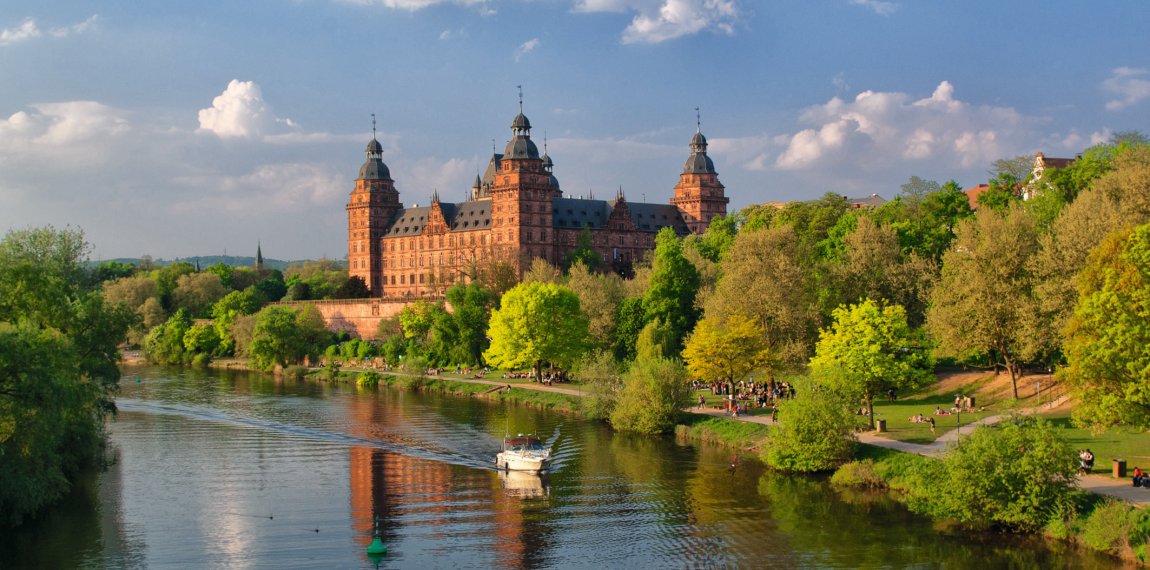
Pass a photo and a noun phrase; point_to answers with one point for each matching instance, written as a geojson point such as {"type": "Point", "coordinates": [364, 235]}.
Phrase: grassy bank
{"type": "Point", "coordinates": [546, 400]}
{"type": "Point", "coordinates": [723, 431]}
{"type": "Point", "coordinates": [1088, 520]}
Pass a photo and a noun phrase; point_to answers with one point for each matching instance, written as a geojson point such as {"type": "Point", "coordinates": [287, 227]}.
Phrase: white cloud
{"type": "Point", "coordinates": [605, 5]}
{"type": "Point", "coordinates": [75, 28]}
{"type": "Point", "coordinates": [877, 129]}
{"type": "Point", "coordinates": [414, 5]}
{"type": "Point", "coordinates": [878, 6]}
{"type": "Point", "coordinates": [25, 31]}
{"type": "Point", "coordinates": [676, 18]}
{"type": "Point", "coordinates": [527, 47]}
{"type": "Point", "coordinates": [1130, 84]}
{"type": "Point", "coordinates": [29, 29]}
{"type": "Point", "coordinates": [79, 130]}
{"type": "Point", "coordinates": [240, 112]}
{"type": "Point", "coordinates": [268, 188]}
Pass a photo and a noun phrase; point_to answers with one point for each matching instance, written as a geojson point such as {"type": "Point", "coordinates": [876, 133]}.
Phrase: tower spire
{"type": "Point", "coordinates": [698, 121]}
{"type": "Point", "coordinates": [373, 126]}
{"type": "Point", "coordinates": [520, 98]}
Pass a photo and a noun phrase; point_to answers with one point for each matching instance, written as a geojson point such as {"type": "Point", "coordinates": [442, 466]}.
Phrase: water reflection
{"type": "Point", "coordinates": [234, 470]}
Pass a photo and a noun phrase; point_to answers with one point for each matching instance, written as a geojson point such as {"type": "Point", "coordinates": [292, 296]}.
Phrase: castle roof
{"type": "Point", "coordinates": [373, 168]}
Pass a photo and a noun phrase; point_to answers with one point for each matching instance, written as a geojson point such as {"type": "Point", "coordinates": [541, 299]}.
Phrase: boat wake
{"type": "Point", "coordinates": [406, 447]}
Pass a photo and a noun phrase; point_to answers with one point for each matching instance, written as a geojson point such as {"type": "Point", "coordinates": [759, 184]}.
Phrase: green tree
{"type": "Point", "coordinates": [584, 253]}
{"type": "Point", "coordinates": [201, 341]}
{"type": "Point", "coordinates": [984, 293]}
{"type": "Point", "coordinates": [470, 307]}
{"type": "Point", "coordinates": [223, 271]}
{"type": "Point", "coordinates": [630, 320]}
{"type": "Point", "coordinates": [815, 432]}
{"type": "Point", "coordinates": [418, 318]}
{"type": "Point", "coordinates": [1108, 337]}
{"type": "Point", "coordinates": [726, 350]}
{"type": "Point", "coordinates": [197, 292]}
{"type": "Point", "coordinates": [353, 287]}
{"type": "Point", "coordinates": [599, 298]}
{"type": "Point", "coordinates": [674, 283]}
{"type": "Point", "coordinates": [654, 393]}
{"type": "Point", "coordinates": [1061, 255]}
{"type": "Point", "coordinates": [1015, 474]}
{"type": "Point", "coordinates": [167, 277]}
{"type": "Point", "coordinates": [870, 349]}
{"type": "Point", "coordinates": [58, 368]}
{"type": "Point", "coordinates": [165, 343]}
{"type": "Point", "coordinates": [276, 339]}
{"type": "Point", "coordinates": [536, 323]}
{"type": "Point", "coordinates": [600, 376]}
{"type": "Point", "coordinates": [1004, 191]}
{"type": "Point", "coordinates": [764, 278]}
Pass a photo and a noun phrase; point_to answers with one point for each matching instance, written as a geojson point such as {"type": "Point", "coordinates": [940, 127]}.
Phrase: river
{"type": "Point", "coordinates": [223, 469]}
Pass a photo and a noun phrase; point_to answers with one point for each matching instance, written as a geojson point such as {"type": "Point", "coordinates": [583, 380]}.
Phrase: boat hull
{"type": "Point", "coordinates": [526, 463]}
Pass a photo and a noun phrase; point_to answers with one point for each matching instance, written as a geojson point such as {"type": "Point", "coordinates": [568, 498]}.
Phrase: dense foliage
{"type": "Point", "coordinates": [58, 353]}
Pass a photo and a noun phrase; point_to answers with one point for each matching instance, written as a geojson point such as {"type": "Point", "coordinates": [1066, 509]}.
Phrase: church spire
{"type": "Point", "coordinates": [259, 256]}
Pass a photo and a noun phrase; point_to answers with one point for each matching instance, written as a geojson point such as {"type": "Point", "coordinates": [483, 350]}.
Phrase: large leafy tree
{"type": "Point", "coordinates": [466, 324]}
{"type": "Point", "coordinates": [984, 293]}
{"type": "Point", "coordinates": [674, 283]}
{"type": "Point", "coordinates": [1108, 344]}
{"type": "Point", "coordinates": [764, 278]}
{"type": "Point", "coordinates": [57, 366]}
{"type": "Point", "coordinates": [655, 390]}
{"type": "Point", "coordinates": [870, 349]}
{"type": "Point", "coordinates": [990, 477]}
{"type": "Point", "coordinates": [537, 323]}
{"type": "Point", "coordinates": [276, 339]}
{"type": "Point", "coordinates": [726, 349]}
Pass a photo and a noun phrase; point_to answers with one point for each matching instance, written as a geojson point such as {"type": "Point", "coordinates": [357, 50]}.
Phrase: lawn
{"type": "Point", "coordinates": [1117, 442]}
{"type": "Point", "coordinates": [897, 415]}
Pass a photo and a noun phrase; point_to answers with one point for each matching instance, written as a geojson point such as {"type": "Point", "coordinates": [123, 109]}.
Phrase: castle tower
{"type": "Point", "coordinates": [521, 197]}
{"type": "Point", "coordinates": [699, 195]}
{"type": "Point", "coordinates": [370, 207]}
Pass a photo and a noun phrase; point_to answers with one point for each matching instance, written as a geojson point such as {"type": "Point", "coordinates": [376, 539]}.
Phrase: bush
{"type": "Point", "coordinates": [1113, 528]}
{"type": "Point", "coordinates": [815, 433]}
{"type": "Point", "coordinates": [1016, 475]}
{"type": "Point", "coordinates": [858, 474]}
{"type": "Point", "coordinates": [600, 374]}
{"type": "Point", "coordinates": [369, 379]}
{"type": "Point", "coordinates": [295, 372]}
{"type": "Point", "coordinates": [654, 392]}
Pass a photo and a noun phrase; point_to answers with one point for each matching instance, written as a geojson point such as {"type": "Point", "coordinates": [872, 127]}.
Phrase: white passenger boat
{"type": "Point", "coordinates": [523, 453]}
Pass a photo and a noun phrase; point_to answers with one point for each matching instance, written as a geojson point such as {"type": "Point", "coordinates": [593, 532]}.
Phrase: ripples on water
{"type": "Point", "coordinates": [230, 470]}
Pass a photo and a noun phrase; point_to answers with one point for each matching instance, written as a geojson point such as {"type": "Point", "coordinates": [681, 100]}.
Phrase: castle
{"type": "Point", "coordinates": [516, 212]}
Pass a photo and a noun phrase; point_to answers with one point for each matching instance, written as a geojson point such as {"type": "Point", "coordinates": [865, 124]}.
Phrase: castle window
{"type": "Point", "coordinates": [401, 282]}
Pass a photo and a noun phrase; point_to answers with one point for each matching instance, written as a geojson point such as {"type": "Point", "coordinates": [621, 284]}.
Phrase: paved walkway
{"type": "Point", "coordinates": [1095, 483]}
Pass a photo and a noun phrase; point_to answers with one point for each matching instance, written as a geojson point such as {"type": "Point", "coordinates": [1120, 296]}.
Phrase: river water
{"type": "Point", "coordinates": [219, 469]}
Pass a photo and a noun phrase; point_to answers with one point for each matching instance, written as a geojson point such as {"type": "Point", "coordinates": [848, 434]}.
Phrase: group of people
{"type": "Point", "coordinates": [1085, 461]}
{"type": "Point", "coordinates": [1141, 479]}
{"type": "Point", "coordinates": [920, 419]}
{"type": "Point", "coordinates": [741, 396]}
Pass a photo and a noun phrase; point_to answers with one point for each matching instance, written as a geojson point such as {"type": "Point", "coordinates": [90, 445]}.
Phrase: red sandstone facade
{"type": "Point", "coordinates": [516, 212]}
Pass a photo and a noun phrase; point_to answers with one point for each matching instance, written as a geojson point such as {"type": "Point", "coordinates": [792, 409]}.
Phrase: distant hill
{"type": "Point", "coordinates": [206, 260]}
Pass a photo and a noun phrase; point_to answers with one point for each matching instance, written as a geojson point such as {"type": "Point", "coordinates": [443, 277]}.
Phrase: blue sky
{"type": "Point", "coordinates": [194, 128]}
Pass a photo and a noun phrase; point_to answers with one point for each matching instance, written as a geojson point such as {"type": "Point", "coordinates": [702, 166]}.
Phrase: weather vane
{"type": "Point", "coordinates": [520, 98]}
{"type": "Point", "coordinates": [698, 121]}
{"type": "Point", "coordinates": [373, 126]}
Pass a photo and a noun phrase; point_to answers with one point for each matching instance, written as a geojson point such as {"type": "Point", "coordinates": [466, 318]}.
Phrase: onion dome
{"type": "Point", "coordinates": [373, 168]}
{"type": "Point", "coordinates": [699, 162]}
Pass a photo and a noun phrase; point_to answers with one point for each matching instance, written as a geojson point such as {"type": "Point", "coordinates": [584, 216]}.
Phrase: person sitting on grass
{"type": "Point", "coordinates": [940, 412]}
{"type": "Point", "coordinates": [1140, 478]}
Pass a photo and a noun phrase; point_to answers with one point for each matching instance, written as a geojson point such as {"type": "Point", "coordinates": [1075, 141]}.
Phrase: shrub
{"type": "Point", "coordinates": [858, 474]}
{"type": "Point", "coordinates": [331, 371]}
{"type": "Point", "coordinates": [1016, 475]}
{"type": "Point", "coordinates": [295, 372]}
{"type": "Point", "coordinates": [369, 379]}
{"type": "Point", "coordinates": [600, 374]}
{"type": "Point", "coordinates": [654, 392]}
{"type": "Point", "coordinates": [1112, 528]}
{"type": "Point", "coordinates": [815, 433]}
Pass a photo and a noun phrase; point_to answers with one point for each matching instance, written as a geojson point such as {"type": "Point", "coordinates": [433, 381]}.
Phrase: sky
{"type": "Point", "coordinates": [178, 129]}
